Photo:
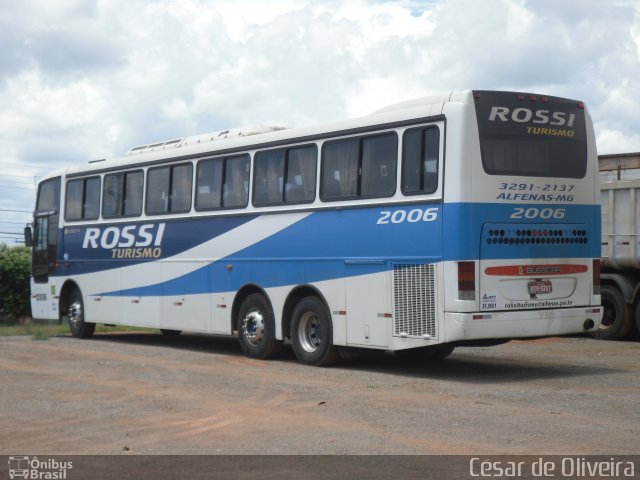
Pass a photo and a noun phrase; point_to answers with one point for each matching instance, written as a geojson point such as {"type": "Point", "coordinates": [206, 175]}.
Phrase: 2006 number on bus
{"type": "Point", "coordinates": [543, 213]}
{"type": "Point", "coordinates": [412, 216]}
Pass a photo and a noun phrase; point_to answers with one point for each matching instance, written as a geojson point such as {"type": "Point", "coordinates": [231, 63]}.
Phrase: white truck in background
{"type": "Point", "coordinates": [620, 269]}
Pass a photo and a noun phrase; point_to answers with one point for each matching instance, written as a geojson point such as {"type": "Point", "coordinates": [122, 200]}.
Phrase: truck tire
{"type": "Point", "coordinates": [638, 319]}
{"type": "Point", "coordinates": [617, 320]}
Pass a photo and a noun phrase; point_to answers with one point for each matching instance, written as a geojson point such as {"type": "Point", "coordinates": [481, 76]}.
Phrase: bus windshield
{"type": "Point", "coordinates": [529, 135]}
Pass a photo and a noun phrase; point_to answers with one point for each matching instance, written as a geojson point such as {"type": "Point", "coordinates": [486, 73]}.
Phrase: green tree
{"type": "Point", "coordinates": [15, 268]}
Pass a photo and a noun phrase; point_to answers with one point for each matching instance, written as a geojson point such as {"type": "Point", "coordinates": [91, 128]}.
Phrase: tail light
{"type": "Point", "coordinates": [596, 276]}
{"type": "Point", "coordinates": [467, 280]}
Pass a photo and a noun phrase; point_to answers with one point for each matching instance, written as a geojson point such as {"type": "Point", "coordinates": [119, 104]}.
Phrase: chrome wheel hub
{"type": "Point", "coordinates": [75, 314]}
{"type": "Point", "coordinates": [253, 327]}
{"type": "Point", "coordinates": [310, 332]}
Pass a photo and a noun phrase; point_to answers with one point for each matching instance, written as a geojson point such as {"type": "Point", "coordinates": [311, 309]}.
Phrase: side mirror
{"type": "Point", "coordinates": [28, 236]}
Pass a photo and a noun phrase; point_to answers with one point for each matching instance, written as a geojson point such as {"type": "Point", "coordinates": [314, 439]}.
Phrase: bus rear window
{"type": "Point", "coordinates": [538, 157]}
{"type": "Point", "coordinates": [531, 135]}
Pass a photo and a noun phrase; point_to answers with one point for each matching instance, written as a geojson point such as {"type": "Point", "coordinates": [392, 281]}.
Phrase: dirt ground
{"type": "Point", "coordinates": [143, 393]}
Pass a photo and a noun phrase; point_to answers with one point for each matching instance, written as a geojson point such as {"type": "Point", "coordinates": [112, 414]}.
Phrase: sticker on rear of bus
{"type": "Point", "coordinates": [489, 301]}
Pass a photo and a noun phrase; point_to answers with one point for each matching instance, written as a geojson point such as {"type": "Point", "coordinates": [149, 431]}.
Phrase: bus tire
{"type": "Point", "coordinates": [256, 328]}
{"type": "Point", "coordinates": [170, 333]}
{"type": "Point", "coordinates": [616, 320]}
{"type": "Point", "coordinates": [312, 333]}
{"type": "Point", "coordinates": [638, 319]}
{"type": "Point", "coordinates": [75, 316]}
{"type": "Point", "coordinates": [433, 352]}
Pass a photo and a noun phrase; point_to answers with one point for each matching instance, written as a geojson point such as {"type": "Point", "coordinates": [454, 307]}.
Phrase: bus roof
{"type": "Point", "coordinates": [251, 138]}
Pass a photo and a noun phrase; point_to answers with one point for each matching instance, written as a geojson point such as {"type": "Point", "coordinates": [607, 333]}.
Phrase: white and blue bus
{"type": "Point", "coordinates": [469, 218]}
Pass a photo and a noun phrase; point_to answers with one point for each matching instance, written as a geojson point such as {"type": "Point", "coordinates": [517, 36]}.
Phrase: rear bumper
{"type": "Point", "coordinates": [520, 324]}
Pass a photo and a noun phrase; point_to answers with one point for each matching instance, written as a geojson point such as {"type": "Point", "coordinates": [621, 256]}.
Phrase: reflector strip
{"type": "Point", "coordinates": [535, 270]}
{"type": "Point", "coordinates": [596, 276]}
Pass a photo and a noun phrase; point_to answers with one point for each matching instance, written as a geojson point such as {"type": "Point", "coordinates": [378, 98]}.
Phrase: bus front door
{"type": "Point", "coordinates": [44, 246]}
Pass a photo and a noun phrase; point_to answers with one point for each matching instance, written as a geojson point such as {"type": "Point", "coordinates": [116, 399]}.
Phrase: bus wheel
{"type": "Point", "coordinates": [616, 320]}
{"type": "Point", "coordinates": [256, 328]}
{"type": "Point", "coordinates": [638, 319]}
{"type": "Point", "coordinates": [312, 333]}
{"type": "Point", "coordinates": [75, 315]}
{"type": "Point", "coordinates": [434, 352]}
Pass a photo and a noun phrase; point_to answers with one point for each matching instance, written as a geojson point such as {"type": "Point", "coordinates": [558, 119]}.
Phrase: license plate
{"type": "Point", "coordinates": [540, 286]}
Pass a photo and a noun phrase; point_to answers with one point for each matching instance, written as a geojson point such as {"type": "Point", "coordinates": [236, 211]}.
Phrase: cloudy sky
{"type": "Point", "coordinates": [87, 79]}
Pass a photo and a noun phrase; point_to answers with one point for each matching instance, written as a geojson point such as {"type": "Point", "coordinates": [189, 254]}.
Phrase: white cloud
{"type": "Point", "coordinates": [614, 141]}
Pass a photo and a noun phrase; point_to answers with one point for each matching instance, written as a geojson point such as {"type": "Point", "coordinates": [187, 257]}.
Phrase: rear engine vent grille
{"type": "Point", "coordinates": [414, 300]}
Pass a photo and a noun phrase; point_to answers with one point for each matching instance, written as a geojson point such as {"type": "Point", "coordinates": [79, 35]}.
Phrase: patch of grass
{"type": "Point", "coordinates": [32, 329]}
{"type": "Point", "coordinates": [42, 331]}
{"type": "Point", "coordinates": [40, 336]}
{"type": "Point", "coordinates": [124, 328]}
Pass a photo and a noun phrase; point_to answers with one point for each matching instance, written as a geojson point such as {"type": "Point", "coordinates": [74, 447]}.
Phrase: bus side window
{"type": "Point", "coordinates": [301, 174]}
{"type": "Point", "coordinates": [82, 200]}
{"type": "Point", "coordinates": [73, 201]}
{"type": "Point", "coordinates": [112, 196]}
{"type": "Point", "coordinates": [158, 190]}
{"type": "Point", "coordinates": [91, 203]}
{"type": "Point", "coordinates": [181, 180]}
{"type": "Point", "coordinates": [340, 169]}
{"type": "Point", "coordinates": [133, 193]}
{"type": "Point", "coordinates": [379, 160]}
{"type": "Point", "coordinates": [169, 189]}
{"type": "Point", "coordinates": [235, 190]}
{"type": "Point", "coordinates": [285, 176]}
{"type": "Point", "coordinates": [420, 155]}
{"type": "Point", "coordinates": [122, 195]}
{"type": "Point", "coordinates": [268, 172]}
{"type": "Point", "coordinates": [359, 167]}
{"type": "Point", "coordinates": [209, 184]}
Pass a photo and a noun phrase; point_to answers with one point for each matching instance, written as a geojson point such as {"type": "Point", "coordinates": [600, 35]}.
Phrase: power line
{"type": "Point", "coordinates": [32, 177]}
{"type": "Point", "coordinates": [41, 167]}
{"type": "Point", "coordinates": [26, 173]}
{"type": "Point", "coordinates": [26, 187]}
{"type": "Point", "coordinates": [10, 180]}
{"type": "Point", "coordinates": [15, 240]}
{"type": "Point", "coordinates": [6, 183]}
{"type": "Point", "coordinates": [18, 187]}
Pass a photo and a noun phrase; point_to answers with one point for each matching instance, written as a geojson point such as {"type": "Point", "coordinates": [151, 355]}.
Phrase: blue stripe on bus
{"type": "Point", "coordinates": [331, 244]}
{"type": "Point", "coordinates": [178, 236]}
